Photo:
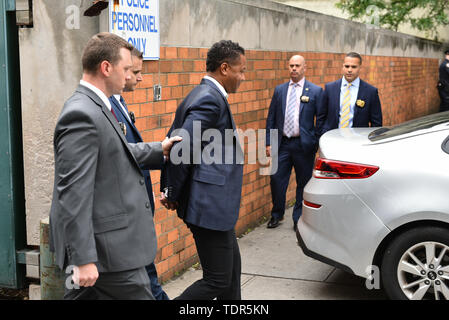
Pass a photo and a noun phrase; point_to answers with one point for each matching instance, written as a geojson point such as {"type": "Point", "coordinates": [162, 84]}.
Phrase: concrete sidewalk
{"type": "Point", "coordinates": [275, 268]}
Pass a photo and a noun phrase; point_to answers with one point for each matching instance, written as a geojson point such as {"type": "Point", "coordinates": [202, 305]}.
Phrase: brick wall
{"type": "Point", "coordinates": [406, 88]}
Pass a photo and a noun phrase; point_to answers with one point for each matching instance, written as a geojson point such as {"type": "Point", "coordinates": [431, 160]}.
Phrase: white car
{"type": "Point", "coordinates": [379, 200]}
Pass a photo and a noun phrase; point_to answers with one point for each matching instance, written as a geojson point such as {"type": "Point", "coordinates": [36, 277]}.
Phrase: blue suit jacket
{"type": "Point", "coordinates": [208, 194]}
{"type": "Point", "coordinates": [308, 110]}
{"type": "Point", "coordinates": [329, 114]}
{"type": "Point", "coordinates": [133, 136]}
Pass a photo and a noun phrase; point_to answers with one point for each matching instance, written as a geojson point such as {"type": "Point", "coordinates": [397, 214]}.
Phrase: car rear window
{"type": "Point", "coordinates": [410, 126]}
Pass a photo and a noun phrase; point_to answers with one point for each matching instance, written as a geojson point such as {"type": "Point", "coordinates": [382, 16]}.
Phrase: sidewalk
{"type": "Point", "coordinates": [275, 268]}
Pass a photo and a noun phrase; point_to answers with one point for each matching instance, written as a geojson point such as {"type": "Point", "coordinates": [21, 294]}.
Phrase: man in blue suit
{"type": "Point", "coordinates": [126, 121]}
{"type": "Point", "coordinates": [292, 112]}
{"type": "Point", "coordinates": [207, 193]}
{"type": "Point", "coordinates": [350, 101]}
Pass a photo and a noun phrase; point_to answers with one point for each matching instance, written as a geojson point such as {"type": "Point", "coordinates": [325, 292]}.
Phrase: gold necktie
{"type": "Point", "coordinates": [344, 118]}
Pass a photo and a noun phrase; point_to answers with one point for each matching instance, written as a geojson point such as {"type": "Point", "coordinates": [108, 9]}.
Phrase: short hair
{"type": "Point", "coordinates": [446, 51]}
{"type": "Point", "coordinates": [103, 46]}
{"type": "Point", "coordinates": [354, 55]}
{"type": "Point", "coordinates": [223, 51]}
{"type": "Point", "coordinates": [137, 53]}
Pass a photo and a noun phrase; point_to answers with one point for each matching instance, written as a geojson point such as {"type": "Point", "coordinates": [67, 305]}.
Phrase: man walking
{"type": "Point", "coordinates": [126, 121]}
{"type": "Point", "coordinates": [349, 102]}
{"type": "Point", "coordinates": [207, 193]}
{"type": "Point", "coordinates": [443, 83]}
{"type": "Point", "coordinates": [100, 218]}
{"type": "Point", "coordinates": [292, 112]}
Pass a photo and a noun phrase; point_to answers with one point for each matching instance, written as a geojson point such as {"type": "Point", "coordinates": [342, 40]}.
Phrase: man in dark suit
{"type": "Point", "coordinates": [100, 220]}
{"type": "Point", "coordinates": [350, 101]}
{"type": "Point", "coordinates": [207, 193]}
{"type": "Point", "coordinates": [292, 112]}
{"type": "Point", "coordinates": [126, 121]}
{"type": "Point", "coordinates": [443, 82]}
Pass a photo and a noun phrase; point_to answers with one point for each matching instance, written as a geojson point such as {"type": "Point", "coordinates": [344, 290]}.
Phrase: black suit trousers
{"type": "Point", "coordinates": [124, 285]}
{"type": "Point", "coordinates": [220, 259]}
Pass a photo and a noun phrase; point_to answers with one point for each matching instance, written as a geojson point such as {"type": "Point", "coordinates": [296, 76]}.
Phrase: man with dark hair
{"type": "Point", "coordinates": [100, 219]}
{"type": "Point", "coordinates": [207, 195]}
{"type": "Point", "coordinates": [443, 83]}
{"type": "Point", "coordinates": [292, 112]}
{"type": "Point", "coordinates": [126, 121]}
{"type": "Point", "coordinates": [350, 101]}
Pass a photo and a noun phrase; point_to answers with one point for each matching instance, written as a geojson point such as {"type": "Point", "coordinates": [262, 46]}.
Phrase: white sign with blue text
{"type": "Point", "coordinates": [137, 21]}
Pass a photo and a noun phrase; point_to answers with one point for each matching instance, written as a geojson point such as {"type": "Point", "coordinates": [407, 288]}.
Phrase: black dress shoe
{"type": "Point", "coordinates": [295, 226]}
{"type": "Point", "coordinates": [273, 223]}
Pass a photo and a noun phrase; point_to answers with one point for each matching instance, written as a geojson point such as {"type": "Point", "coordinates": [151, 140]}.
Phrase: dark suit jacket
{"type": "Point", "coordinates": [208, 194]}
{"type": "Point", "coordinates": [308, 110]}
{"type": "Point", "coordinates": [100, 211]}
{"type": "Point", "coordinates": [329, 114]}
{"type": "Point", "coordinates": [133, 136]}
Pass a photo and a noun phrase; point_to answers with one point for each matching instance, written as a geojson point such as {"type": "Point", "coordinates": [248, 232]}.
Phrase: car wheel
{"type": "Point", "coordinates": [415, 265]}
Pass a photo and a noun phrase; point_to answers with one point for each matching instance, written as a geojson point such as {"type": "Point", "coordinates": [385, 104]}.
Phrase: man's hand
{"type": "Point", "coordinates": [168, 204]}
{"type": "Point", "coordinates": [85, 275]}
{"type": "Point", "coordinates": [268, 151]}
{"type": "Point", "coordinates": [167, 144]}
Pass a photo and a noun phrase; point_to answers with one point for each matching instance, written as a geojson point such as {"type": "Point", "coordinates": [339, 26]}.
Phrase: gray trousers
{"type": "Point", "coordinates": [124, 285]}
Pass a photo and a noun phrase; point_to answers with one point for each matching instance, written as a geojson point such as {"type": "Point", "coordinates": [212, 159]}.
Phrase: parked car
{"type": "Point", "coordinates": [379, 197]}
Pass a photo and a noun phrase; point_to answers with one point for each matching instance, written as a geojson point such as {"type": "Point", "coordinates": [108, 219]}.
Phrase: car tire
{"type": "Point", "coordinates": [415, 265]}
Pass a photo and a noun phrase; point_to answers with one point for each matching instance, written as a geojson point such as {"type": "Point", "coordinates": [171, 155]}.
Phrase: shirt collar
{"type": "Point", "coordinates": [300, 82]}
{"type": "Point", "coordinates": [220, 87]}
{"type": "Point", "coordinates": [354, 83]}
{"type": "Point", "coordinates": [98, 92]}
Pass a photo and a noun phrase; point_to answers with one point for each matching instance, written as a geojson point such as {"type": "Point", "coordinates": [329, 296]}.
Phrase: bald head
{"type": "Point", "coordinates": [297, 67]}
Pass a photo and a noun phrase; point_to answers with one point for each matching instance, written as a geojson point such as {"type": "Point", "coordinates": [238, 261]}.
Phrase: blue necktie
{"type": "Point", "coordinates": [122, 101]}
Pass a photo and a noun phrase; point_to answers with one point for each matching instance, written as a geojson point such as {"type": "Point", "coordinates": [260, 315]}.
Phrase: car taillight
{"type": "Point", "coordinates": [311, 204]}
{"type": "Point", "coordinates": [333, 169]}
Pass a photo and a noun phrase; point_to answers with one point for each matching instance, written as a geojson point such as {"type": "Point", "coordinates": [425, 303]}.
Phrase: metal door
{"type": "Point", "coordinates": [12, 203]}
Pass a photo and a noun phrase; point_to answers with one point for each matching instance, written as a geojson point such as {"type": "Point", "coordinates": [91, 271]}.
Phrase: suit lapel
{"type": "Point", "coordinates": [337, 92]}
{"type": "Point", "coordinates": [361, 90]}
{"type": "Point", "coordinates": [211, 84]}
{"type": "Point", "coordinates": [284, 98]}
{"type": "Point", "coordinates": [131, 125]}
{"type": "Point", "coordinates": [108, 114]}
{"type": "Point", "coordinates": [305, 92]}
{"type": "Point", "coordinates": [360, 96]}
{"type": "Point", "coordinates": [234, 127]}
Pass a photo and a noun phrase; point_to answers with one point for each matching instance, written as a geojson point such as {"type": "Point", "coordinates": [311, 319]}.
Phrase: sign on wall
{"type": "Point", "coordinates": [137, 21]}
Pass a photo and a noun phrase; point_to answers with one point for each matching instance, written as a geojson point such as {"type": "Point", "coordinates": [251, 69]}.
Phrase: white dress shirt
{"type": "Point", "coordinates": [99, 93]}
{"type": "Point", "coordinates": [222, 90]}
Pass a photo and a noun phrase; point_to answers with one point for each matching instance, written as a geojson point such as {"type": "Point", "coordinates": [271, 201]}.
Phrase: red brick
{"type": "Point", "coordinates": [171, 53]}
{"type": "Point", "coordinates": [181, 69]}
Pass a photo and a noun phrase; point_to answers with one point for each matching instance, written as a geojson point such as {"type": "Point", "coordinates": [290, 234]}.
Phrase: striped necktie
{"type": "Point", "coordinates": [345, 110]}
{"type": "Point", "coordinates": [289, 124]}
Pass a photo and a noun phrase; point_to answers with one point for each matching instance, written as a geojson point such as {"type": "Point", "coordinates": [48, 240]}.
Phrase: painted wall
{"type": "Point", "coordinates": [328, 7]}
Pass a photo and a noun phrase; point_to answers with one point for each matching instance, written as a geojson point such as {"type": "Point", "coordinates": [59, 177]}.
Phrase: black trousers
{"type": "Point", "coordinates": [290, 155]}
{"type": "Point", "coordinates": [125, 285]}
{"type": "Point", "coordinates": [444, 99]}
{"type": "Point", "coordinates": [220, 259]}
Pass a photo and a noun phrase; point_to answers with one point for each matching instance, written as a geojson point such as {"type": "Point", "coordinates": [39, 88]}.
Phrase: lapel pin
{"type": "Point", "coordinates": [132, 116]}
{"type": "Point", "coordinates": [123, 127]}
